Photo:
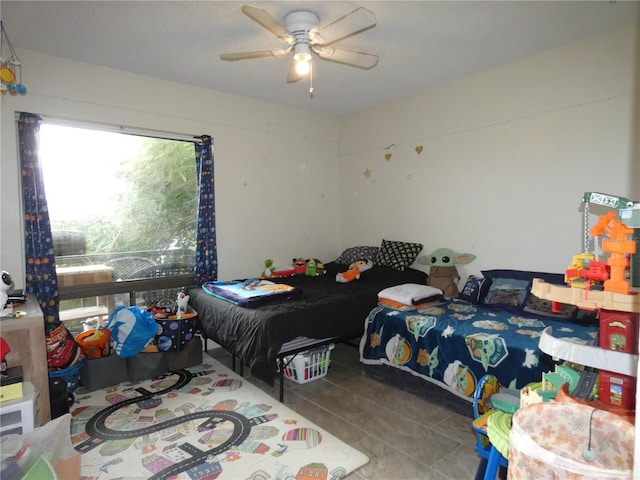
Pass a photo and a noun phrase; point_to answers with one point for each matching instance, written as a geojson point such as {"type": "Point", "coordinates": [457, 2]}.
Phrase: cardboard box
{"type": "Point", "coordinates": [11, 384]}
{"type": "Point", "coordinates": [84, 275]}
{"type": "Point", "coordinates": [103, 372]}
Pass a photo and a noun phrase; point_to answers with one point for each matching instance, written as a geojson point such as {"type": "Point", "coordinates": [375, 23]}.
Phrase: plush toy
{"type": "Point", "coordinates": [320, 268]}
{"type": "Point", "coordinates": [355, 269]}
{"type": "Point", "coordinates": [310, 270]}
{"type": "Point", "coordinates": [299, 266]}
{"type": "Point", "coordinates": [5, 285]}
{"type": "Point", "coordinates": [268, 269]}
{"type": "Point", "coordinates": [182, 303]}
{"type": "Point", "coordinates": [443, 273]}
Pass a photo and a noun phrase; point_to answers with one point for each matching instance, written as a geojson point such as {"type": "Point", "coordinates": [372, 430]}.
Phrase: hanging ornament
{"type": "Point", "coordinates": [10, 67]}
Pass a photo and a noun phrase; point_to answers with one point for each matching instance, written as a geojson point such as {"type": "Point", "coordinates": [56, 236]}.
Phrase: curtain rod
{"type": "Point", "coordinates": [107, 127]}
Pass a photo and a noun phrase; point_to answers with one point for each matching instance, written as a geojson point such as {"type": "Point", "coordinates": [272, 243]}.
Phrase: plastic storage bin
{"type": "Point", "coordinates": [70, 374]}
{"type": "Point", "coordinates": [94, 343]}
{"type": "Point", "coordinates": [308, 366]}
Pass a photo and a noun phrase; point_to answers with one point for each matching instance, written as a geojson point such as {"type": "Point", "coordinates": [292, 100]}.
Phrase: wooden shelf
{"type": "Point", "coordinates": [26, 338]}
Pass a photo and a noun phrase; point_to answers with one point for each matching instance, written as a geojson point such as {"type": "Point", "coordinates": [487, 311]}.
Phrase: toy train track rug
{"type": "Point", "coordinates": [204, 422]}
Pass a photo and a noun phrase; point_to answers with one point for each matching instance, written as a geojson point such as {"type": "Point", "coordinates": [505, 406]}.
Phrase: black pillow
{"type": "Point", "coordinates": [398, 255]}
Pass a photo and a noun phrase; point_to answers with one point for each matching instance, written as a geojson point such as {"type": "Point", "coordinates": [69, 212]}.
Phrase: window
{"type": "Point", "coordinates": [122, 207]}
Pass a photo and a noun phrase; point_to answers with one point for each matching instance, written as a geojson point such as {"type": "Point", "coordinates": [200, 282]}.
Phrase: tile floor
{"type": "Point", "coordinates": [405, 436]}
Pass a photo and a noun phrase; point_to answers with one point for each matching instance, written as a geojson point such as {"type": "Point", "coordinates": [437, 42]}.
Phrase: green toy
{"type": "Point", "coordinates": [268, 270]}
{"type": "Point", "coordinates": [310, 271]}
{"type": "Point", "coordinates": [443, 273]}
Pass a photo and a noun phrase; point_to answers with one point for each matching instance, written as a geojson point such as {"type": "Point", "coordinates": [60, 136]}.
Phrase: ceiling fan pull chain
{"type": "Point", "coordinates": [311, 80]}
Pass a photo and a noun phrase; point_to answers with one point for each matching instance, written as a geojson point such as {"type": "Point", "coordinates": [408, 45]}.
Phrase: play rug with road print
{"type": "Point", "coordinates": [203, 422]}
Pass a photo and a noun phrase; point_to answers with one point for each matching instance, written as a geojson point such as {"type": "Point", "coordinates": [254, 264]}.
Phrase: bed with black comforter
{"type": "Point", "coordinates": [325, 308]}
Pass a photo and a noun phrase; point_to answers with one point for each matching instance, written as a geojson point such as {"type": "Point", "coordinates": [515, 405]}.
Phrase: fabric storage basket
{"type": "Point", "coordinates": [175, 330]}
{"type": "Point", "coordinates": [308, 366]}
{"type": "Point", "coordinates": [559, 440]}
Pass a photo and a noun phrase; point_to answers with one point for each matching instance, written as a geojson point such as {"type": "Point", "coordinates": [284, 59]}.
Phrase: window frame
{"type": "Point", "coordinates": [130, 287]}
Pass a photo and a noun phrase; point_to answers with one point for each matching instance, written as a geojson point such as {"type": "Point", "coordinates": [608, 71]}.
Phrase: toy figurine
{"type": "Point", "coordinates": [5, 285]}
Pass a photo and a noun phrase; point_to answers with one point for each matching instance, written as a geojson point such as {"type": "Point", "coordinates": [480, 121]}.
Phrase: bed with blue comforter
{"type": "Point", "coordinates": [454, 343]}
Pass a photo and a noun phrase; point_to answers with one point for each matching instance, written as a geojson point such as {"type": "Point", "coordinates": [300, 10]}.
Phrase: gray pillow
{"type": "Point", "coordinates": [354, 254]}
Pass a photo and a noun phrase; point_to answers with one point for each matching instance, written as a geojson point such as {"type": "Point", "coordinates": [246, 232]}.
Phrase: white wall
{"type": "Point", "coordinates": [276, 168]}
{"type": "Point", "coordinates": [507, 155]}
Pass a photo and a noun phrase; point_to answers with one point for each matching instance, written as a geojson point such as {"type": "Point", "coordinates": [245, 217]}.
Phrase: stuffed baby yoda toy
{"type": "Point", "coordinates": [443, 273]}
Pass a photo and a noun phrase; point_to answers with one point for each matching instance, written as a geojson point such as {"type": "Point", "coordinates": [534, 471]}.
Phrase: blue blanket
{"type": "Point", "coordinates": [454, 343]}
{"type": "Point", "coordinates": [252, 292]}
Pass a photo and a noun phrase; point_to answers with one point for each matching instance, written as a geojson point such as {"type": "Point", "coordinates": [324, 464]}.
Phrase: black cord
{"type": "Point", "coordinates": [589, 454]}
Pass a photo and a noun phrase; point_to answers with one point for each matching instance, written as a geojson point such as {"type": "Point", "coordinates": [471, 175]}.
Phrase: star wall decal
{"type": "Point", "coordinates": [367, 173]}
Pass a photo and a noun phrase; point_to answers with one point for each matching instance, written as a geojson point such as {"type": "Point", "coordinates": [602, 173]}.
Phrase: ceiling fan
{"type": "Point", "coordinates": [300, 31]}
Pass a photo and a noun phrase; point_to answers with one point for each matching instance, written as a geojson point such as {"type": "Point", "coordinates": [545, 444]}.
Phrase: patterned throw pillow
{"type": "Point", "coordinates": [507, 291]}
{"type": "Point", "coordinates": [475, 288]}
{"type": "Point", "coordinates": [398, 255]}
{"type": "Point", "coordinates": [545, 307]}
{"type": "Point", "coordinates": [354, 254]}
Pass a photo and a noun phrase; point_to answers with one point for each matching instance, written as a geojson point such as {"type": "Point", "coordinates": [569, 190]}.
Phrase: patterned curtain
{"type": "Point", "coordinates": [41, 278]}
{"type": "Point", "coordinates": [206, 245]}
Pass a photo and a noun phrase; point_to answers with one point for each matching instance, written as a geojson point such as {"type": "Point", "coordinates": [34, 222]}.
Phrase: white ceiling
{"type": "Point", "coordinates": [421, 44]}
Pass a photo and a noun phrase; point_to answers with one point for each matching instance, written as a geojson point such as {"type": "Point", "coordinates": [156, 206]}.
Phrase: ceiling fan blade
{"type": "Point", "coordinates": [352, 23]}
{"type": "Point", "coordinates": [264, 18]}
{"type": "Point", "coordinates": [276, 52]}
{"type": "Point", "coordinates": [293, 76]}
{"type": "Point", "coordinates": [347, 57]}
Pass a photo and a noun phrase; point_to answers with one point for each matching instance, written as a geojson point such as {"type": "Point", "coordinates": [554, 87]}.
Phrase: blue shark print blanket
{"type": "Point", "coordinates": [454, 343]}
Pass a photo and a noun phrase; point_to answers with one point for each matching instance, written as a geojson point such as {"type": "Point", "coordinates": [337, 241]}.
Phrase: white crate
{"type": "Point", "coordinates": [308, 366]}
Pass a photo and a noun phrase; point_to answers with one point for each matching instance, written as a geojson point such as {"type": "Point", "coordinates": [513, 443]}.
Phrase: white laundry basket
{"type": "Point", "coordinates": [308, 366]}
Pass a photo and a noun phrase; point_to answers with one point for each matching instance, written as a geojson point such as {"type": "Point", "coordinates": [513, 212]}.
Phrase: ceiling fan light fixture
{"type": "Point", "coordinates": [300, 32]}
{"type": "Point", "coordinates": [303, 67]}
{"type": "Point", "coordinates": [302, 58]}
